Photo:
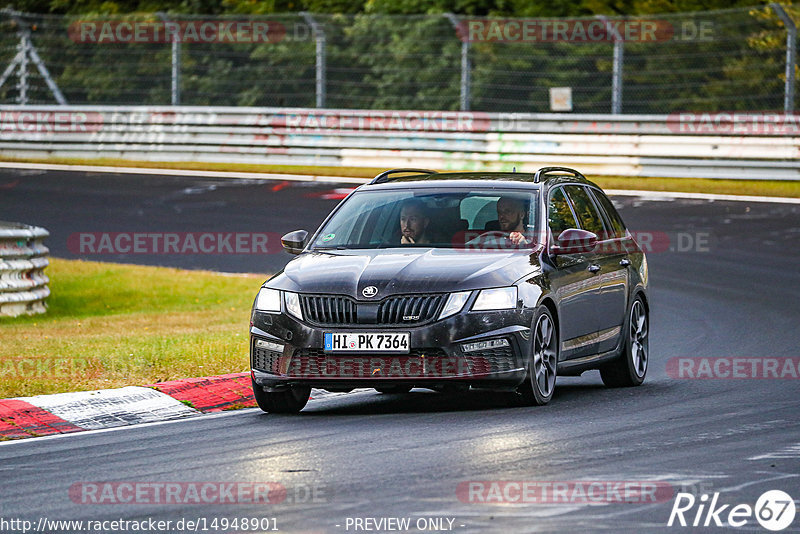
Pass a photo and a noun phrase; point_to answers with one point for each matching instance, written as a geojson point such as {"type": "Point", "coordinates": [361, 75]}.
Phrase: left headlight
{"type": "Point", "coordinates": [293, 304]}
{"type": "Point", "coordinates": [268, 300]}
{"type": "Point", "coordinates": [502, 298]}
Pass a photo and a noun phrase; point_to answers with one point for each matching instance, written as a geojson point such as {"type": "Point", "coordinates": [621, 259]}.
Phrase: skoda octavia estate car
{"type": "Point", "coordinates": [455, 280]}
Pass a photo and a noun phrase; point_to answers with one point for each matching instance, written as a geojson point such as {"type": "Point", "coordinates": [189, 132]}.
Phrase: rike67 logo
{"type": "Point", "coordinates": [774, 510]}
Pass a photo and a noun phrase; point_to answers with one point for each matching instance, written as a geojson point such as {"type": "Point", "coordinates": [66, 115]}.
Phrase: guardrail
{"type": "Point", "coordinates": [741, 145]}
{"type": "Point", "coordinates": [23, 258]}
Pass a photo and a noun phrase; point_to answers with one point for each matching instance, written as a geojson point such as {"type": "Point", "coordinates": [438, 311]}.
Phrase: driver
{"type": "Point", "coordinates": [511, 214]}
{"type": "Point", "coordinates": [413, 223]}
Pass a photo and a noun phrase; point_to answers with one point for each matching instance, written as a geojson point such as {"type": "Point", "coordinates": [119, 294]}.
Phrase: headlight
{"type": "Point", "coordinates": [502, 298]}
{"type": "Point", "coordinates": [268, 300]}
{"type": "Point", "coordinates": [454, 303]}
{"type": "Point", "coordinates": [293, 304]}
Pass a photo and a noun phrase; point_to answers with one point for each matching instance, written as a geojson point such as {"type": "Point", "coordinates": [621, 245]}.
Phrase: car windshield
{"type": "Point", "coordinates": [452, 218]}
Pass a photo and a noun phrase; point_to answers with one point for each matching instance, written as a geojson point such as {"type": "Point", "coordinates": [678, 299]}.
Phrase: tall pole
{"type": "Point", "coordinates": [617, 65]}
{"type": "Point", "coordinates": [175, 91]}
{"type": "Point", "coordinates": [22, 85]}
{"type": "Point", "coordinates": [791, 56]}
{"type": "Point", "coordinates": [321, 59]}
{"type": "Point", "coordinates": [466, 68]}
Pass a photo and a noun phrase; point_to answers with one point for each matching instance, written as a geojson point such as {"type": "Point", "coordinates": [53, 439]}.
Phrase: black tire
{"type": "Point", "coordinates": [393, 390]}
{"type": "Point", "coordinates": [290, 400]}
{"type": "Point", "coordinates": [631, 367]}
{"type": "Point", "coordinates": [539, 385]}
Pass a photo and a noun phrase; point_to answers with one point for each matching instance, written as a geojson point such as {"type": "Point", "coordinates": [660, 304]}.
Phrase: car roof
{"type": "Point", "coordinates": [403, 178]}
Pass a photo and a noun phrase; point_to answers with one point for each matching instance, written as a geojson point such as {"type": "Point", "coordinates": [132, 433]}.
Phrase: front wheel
{"type": "Point", "coordinates": [540, 384]}
{"type": "Point", "coordinates": [289, 400]}
{"type": "Point", "coordinates": [630, 368]}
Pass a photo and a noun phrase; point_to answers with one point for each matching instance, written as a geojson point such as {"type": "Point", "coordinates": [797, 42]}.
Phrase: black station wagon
{"type": "Point", "coordinates": [453, 281]}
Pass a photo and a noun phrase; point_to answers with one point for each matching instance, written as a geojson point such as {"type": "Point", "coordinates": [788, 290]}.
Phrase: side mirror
{"type": "Point", "coordinates": [574, 241]}
{"type": "Point", "coordinates": [295, 242]}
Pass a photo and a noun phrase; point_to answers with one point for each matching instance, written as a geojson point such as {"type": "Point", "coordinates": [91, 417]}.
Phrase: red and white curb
{"type": "Point", "coordinates": [63, 413]}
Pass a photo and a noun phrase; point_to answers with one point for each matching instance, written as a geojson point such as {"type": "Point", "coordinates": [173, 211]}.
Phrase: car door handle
{"type": "Point", "coordinates": [624, 262]}
{"type": "Point", "coordinates": [593, 268]}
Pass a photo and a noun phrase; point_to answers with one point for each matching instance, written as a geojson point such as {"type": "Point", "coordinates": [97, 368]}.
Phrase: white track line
{"type": "Point", "coordinates": [669, 195]}
{"type": "Point", "coordinates": [650, 195]}
{"type": "Point", "coordinates": [181, 172]}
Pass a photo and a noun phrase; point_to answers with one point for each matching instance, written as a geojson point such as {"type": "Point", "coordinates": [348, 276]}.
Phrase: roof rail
{"type": "Point", "coordinates": [384, 176]}
{"type": "Point", "coordinates": [545, 170]}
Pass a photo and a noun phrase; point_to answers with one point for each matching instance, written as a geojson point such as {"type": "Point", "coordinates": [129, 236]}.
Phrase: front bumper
{"type": "Point", "coordinates": [295, 354]}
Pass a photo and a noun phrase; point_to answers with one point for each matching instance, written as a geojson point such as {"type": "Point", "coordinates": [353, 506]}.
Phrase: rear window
{"type": "Point", "coordinates": [617, 226]}
{"type": "Point", "coordinates": [588, 216]}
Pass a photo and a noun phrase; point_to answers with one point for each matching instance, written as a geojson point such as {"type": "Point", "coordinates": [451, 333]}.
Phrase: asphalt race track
{"type": "Point", "coordinates": [730, 288]}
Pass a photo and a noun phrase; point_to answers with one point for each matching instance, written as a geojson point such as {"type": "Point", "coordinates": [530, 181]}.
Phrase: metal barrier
{"type": "Point", "coordinates": [23, 258]}
{"type": "Point", "coordinates": [746, 145]}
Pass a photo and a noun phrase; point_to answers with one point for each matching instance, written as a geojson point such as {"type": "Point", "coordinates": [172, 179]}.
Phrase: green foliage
{"type": "Point", "coordinates": [384, 54]}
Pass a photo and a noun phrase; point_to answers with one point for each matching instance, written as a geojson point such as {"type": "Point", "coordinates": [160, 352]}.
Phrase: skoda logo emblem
{"type": "Point", "coordinates": [369, 291]}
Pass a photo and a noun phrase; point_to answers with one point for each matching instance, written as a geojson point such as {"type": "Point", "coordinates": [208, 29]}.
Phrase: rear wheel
{"type": "Point", "coordinates": [540, 384]}
{"type": "Point", "coordinates": [631, 367]}
{"type": "Point", "coordinates": [289, 400]}
{"type": "Point", "coordinates": [393, 390]}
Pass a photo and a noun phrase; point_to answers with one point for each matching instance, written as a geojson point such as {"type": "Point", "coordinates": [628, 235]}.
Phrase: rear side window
{"type": "Point", "coordinates": [585, 209]}
{"type": "Point", "coordinates": [612, 216]}
{"type": "Point", "coordinates": [559, 214]}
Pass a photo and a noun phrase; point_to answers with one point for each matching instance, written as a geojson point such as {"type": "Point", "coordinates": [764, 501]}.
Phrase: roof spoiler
{"type": "Point", "coordinates": [547, 170]}
{"type": "Point", "coordinates": [384, 176]}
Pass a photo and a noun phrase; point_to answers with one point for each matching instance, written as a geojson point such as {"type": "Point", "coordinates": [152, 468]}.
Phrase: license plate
{"type": "Point", "coordinates": [366, 342]}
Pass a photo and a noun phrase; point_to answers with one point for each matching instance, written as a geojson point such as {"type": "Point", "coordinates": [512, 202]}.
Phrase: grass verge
{"type": "Point", "coordinates": [771, 188]}
{"type": "Point", "coordinates": [112, 325]}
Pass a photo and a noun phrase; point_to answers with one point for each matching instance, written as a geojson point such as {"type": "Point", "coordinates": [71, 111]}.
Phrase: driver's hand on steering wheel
{"type": "Point", "coordinates": [517, 238]}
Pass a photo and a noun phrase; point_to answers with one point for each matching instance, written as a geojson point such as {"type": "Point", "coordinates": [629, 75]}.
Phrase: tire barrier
{"type": "Point", "coordinates": [23, 258]}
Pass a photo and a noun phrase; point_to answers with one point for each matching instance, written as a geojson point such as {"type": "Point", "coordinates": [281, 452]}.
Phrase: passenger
{"type": "Point", "coordinates": [414, 223]}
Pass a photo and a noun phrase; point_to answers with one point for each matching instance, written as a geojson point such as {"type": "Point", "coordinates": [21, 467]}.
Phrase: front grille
{"type": "Point", "coordinates": [419, 363]}
{"type": "Point", "coordinates": [410, 309]}
{"type": "Point", "coordinates": [328, 309]}
{"type": "Point", "coordinates": [403, 310]}
{"type": "Point", "coordinates": [266, 360]}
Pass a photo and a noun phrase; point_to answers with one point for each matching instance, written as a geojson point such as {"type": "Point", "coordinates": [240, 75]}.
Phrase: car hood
{"type": "Point", "coordinates": [399, 271]}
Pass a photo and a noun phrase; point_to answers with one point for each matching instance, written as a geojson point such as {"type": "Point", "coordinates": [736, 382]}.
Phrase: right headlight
{"type": "Point", "coordinates": [502, 298]}
{"type": "Point", "coordinates": [455, 302]}
{"type": "Point", "coordinates": [268, 300]}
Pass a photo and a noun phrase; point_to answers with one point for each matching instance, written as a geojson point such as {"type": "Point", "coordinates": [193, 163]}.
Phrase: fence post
{"type": "Point", "coordinates": [319, 38]}
{"type": "Point", "coordinates": [616, 73]}
{"type": "Point", "coordinates": [22, 84]}
{"type": "Point", "coordinates": [791, 50]}
{"type": "Point", "coordinates": [176, 63]}
{"type": "Point", "coordinates": [465, 66]}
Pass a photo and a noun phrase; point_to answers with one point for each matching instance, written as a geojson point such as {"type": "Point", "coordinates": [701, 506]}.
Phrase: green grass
{"type": "Point", "coordinates": [774, 188]}
{"type": "Point", "coordinates": [111, 325]}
